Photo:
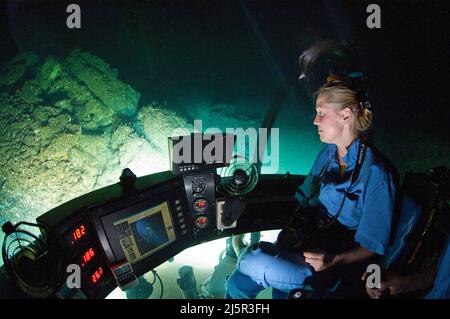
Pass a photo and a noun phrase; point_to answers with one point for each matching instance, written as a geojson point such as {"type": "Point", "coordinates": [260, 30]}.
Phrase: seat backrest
{"type": "Point", "coordinates": [410, 213]}
{"type": "Point", "coordinates": [418, 195]}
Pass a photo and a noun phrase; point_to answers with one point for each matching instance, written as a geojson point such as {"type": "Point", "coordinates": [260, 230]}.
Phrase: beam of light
{"type": "Point", "coordinates": [273, 66]}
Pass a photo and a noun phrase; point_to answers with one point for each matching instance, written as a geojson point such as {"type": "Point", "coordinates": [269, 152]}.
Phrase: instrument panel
{"type": "Point", "coordinates": [115, 236]}
{"type": "Point", "coordinates": [139, 229]}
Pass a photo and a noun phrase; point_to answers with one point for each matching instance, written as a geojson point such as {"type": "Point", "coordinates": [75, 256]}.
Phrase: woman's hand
{"type": "Point", "coordinates": [393, 284]}
{"type": "Point", "coordinates": [374, 293]}
{"type": "Point", "coordinates": [318, 259]}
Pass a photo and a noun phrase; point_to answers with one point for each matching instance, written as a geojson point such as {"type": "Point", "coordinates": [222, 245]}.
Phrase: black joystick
{"type": "Point", "coordinates": [232, 210]}
{"type": "Point", "coordinates": [127, 180]}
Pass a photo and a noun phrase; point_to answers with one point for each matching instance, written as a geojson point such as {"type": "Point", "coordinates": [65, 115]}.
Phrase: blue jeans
{"type": "Point", "coordinates": [240, 286]}
{"type": "Point", "coordinates": [257, 270]}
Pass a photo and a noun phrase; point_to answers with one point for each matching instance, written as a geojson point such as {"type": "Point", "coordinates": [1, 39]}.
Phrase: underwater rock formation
{"type": "Point", "coordinates": [82, 85]}
{"type": "Point", "coordinates": [156, 124]}
{"type": "Point", "coordinates": [15, 70]}
{"type": "Point", "coordinates": [47, 107]}
{"type": "Point", "coordinates": [101, 81]}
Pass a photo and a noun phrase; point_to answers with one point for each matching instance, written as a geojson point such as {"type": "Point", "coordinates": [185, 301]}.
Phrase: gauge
{"type": "Point", "coordinates": [200, 205]}
{"type": "Point", "coordinates": [198, 186]}
{"type": "Point", "coordinates": [201, 222]}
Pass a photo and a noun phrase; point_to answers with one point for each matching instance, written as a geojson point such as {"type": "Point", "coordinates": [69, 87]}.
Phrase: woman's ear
{"type": "Point", "coordinates": [346, 113]}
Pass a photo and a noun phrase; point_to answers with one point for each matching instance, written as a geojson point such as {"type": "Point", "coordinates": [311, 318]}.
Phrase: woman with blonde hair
{"type": "Point", "coordinates": [350, 190]}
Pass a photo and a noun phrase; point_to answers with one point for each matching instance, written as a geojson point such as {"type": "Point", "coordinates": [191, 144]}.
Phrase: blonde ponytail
{"type": "Point", "coordinates": [363, 119]}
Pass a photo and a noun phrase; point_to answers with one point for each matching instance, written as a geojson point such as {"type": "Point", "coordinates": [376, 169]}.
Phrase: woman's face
{"type": "Point", "coordinates": [330, 124]}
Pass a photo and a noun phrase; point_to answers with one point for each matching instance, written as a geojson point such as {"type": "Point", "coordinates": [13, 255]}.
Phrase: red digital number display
{"type": "Point", "coordinates": [78, 233]}
{"type": "Point", "coordinates": [95, 277]}
{"type": "Point", "coordinates": [87, 256]}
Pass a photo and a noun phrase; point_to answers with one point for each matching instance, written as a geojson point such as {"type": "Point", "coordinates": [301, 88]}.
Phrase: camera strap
{"type": "Point", "coordinates": [316, 187]}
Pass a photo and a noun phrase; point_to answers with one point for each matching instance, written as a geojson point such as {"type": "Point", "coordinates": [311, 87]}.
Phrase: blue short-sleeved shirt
{"type": "Point", "coordinates": [441, 286]}
{"type": "Point", "coordinates": [369, 205]}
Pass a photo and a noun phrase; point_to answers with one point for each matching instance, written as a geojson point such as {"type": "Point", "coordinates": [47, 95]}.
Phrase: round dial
{"type": "Point", "coordinates": [200, 205]}
{"type": "Point", "coordinates": [201, 222]}
{"type": "Point", "coordinates": [198, 186]}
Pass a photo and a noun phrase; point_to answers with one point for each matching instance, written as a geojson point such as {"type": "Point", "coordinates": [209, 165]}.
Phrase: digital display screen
{"type": "Point", "coordinates": [76, 234]}
{"type": "Point", "coordinates": [145, 233]}
{"type": "Point", "coordinates": [96, 275]}
{"type": "Point", "coordinates": [87, 256]}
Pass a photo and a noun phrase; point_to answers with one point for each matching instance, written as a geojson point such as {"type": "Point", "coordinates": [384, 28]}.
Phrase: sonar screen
{"type": "Point", "coordinates": [145, 233]}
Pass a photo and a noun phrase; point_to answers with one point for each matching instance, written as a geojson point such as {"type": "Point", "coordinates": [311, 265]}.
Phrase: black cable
{"type": "Point", "coordinates": [161, 283]}
{"type": "Point", "coordinates": [18, 241]}
{"type": "Point", "coordinates": [15, 229]}
{"type": "Point", "coordinates": [154, 278]}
